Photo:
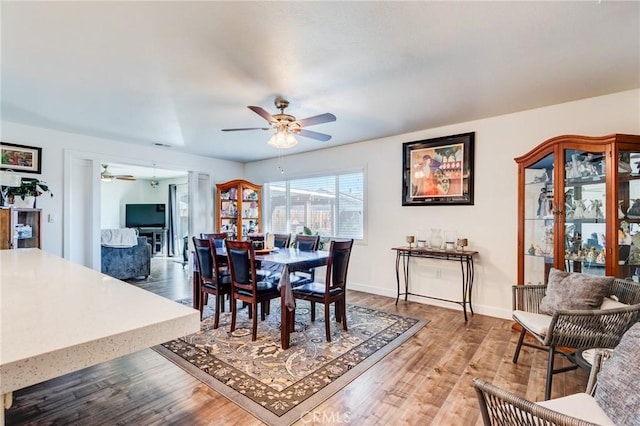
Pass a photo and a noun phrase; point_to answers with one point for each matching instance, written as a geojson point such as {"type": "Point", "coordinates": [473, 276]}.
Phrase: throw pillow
{"type": "Point", "coordinates": [617, 392]}
{"type": "Point", "coordinates": [574, 291]}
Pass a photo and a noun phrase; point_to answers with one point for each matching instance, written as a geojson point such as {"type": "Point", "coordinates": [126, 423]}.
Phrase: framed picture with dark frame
{"type": "Point", "coordinates": [20, 158]}
{"type": "Point", "coordinates": [438, 171]}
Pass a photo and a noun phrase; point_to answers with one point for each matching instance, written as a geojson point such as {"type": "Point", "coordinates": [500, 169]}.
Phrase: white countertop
{"type": "Point", "coordinates": [57, 316]}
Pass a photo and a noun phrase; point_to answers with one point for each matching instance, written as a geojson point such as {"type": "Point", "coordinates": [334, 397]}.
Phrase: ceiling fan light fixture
{"type": "Point", "coordinates": [282, 139]}
{"type": "Point", "coordinates": [105, 178]}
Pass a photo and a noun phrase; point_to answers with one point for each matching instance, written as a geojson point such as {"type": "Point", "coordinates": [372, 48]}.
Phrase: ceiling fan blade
{"type": "Point", "coordinates": [313, 135]}
{"type": "Point", "coordinates": [246, 128]}
{"type": "Point", "coordinates": [262, 113]}
{"type": "Point", "coordinates": [125, 177]}
{"type": "Point", "coordinates": [317, 119]}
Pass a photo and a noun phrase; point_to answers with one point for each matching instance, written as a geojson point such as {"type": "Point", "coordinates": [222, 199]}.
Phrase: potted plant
{"type": "Point", "coordinates": [25, 194]}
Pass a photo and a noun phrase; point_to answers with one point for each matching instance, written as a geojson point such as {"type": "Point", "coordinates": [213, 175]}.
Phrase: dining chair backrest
{"type": "Point", "coordinates": [204, 259]}
{"type": "Point", "coordinates": [219, 263]}
{"type": "Point", "coordinates": [218, 238]}
{"type": "Point", "coordinates": [241, 259]}
{"type": "Point", "coordinates": [281, 240]}
{"type": "Point", "coordinates": [307, 242]}
{"type": "Point", "coordinates": [338, 264]}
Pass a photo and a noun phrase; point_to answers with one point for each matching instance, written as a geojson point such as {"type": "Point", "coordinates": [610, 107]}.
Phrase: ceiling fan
{"type": "Point", "coordinates": [106, 176]}
{"type": "Point", "coordinates": [286, 125]}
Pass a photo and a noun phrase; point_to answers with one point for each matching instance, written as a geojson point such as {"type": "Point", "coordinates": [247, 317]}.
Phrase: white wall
{"type": "Point", "coordinates": [490, 224]}
{"type": "Point", "coordinates": [57, 145]}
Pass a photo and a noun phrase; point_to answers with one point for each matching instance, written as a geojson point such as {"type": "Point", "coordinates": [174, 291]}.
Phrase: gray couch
{"type": "Point", "coordinates": [128, 262]}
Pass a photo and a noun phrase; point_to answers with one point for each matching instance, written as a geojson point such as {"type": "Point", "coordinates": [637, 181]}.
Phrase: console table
{"type": "Point", "coordinates": [464, 257]}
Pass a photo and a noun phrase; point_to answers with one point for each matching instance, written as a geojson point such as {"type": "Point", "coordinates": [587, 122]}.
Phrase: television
{"type": "Point", "coordinates": [145, 215]}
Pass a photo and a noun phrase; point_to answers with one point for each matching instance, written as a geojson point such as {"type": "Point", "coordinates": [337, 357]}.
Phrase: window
{"type": "Point", "coordinates": [331, 206]}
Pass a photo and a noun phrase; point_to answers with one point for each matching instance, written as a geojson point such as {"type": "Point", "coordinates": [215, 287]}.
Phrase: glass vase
{"type": "Point", "coordinates": [435, 241]}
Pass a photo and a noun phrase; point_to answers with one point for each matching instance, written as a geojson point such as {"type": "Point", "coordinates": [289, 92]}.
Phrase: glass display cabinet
{"type": "Point", "coordinates": [239, 205]}
{"type": "Point", "coordinates": [579, 207]}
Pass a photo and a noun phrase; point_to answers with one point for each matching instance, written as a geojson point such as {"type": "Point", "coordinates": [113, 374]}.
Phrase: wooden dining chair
{"type": "Point", "coordinates": [218, 237]}
{"type": "Point", "coordinates": [213, 280]}
{"type": "Point", "coordinates": [333, 290]}
{"type": "Point", "coordinates": [245, 285]}
{"type": "Point", "coordinates": [281, 240]}
{"type": "Point", "coordinates": [305, 243]}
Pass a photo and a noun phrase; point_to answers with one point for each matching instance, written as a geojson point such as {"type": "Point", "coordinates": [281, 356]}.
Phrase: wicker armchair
{"type": "Point", "coordinates": [600, 328]}
{"type": "Point", "coordinates": [500, 407]}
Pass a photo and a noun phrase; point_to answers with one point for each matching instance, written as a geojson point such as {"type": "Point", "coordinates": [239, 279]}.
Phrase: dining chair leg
{"type": "Point", "coordinates": [313, 311]}
{"type": "Point", "coordinates": [327, 323]}
{"type": "Point", "coordinates": [201, 304]}
{"type": "Point", "coordinates": [291, 319]}
{"type": "Point", "coordinates": [263, 309]}
{"type": "Point", "coordinates": [547, 389]}
{"type": "Point", "coordinates": [216, 315]}
{"type": "Point", "coordinates": [233, 314]}
{"type": "Point", "coordinates": [343, 308]}
{"type": "Point", "coordinates": [338, 313]}
{"type": "Point", "coordinates": [519, 346]}
{"type": "Point", "coordinates": [254, 330]}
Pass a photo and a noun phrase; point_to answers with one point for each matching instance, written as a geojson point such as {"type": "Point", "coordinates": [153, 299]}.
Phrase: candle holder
{"type": "Point", "coordinates": [410, 239]}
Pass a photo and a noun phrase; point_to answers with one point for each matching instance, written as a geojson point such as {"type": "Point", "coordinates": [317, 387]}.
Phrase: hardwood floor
{"type": "Point", "coordinates": [427, 380]}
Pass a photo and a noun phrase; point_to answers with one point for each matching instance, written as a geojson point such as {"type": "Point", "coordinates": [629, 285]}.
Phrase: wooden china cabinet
{"type": "Point", "coordinates": [579, 207]}
{"type": "Point", "coordinates": [238, 210]}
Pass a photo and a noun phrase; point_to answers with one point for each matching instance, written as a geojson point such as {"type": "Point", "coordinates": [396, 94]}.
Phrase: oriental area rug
{"type": "Point", "coordinates": [280, 386]}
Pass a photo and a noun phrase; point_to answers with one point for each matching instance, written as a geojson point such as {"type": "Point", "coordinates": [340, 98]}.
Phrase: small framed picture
{"type": "Point", "coordinates": [438, 171]}
{"type": "Point", "coordinates": [20, 158]}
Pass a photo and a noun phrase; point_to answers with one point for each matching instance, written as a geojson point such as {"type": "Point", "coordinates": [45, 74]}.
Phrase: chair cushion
{"type": "Point", "coordinates": [581, 406]}
{"type": "Point", "coordinates": [574, 291]}
{"type": "Point", "coordinates": [262, 287]}
{"type": "Point", "coordinates": [617, 391]}
{"type": "Point", "coordinates": [536, 323]}
{"type": "Point", "coordinates": [315, 289]}
{"type": "Point", "coordinates": [609, 303]}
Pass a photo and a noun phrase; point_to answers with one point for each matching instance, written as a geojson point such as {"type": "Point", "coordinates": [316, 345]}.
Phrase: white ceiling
{"type": "Point", "coordinates": [177, 72]}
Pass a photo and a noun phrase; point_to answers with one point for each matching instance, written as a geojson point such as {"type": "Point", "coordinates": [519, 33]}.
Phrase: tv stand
{"type": "Point", "coordinates": [156, 237]}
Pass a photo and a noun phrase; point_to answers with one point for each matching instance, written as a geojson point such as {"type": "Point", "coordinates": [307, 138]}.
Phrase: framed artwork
{"type": "Point", "coordinates": [20, 158]}
{"type": "Point", "coordinates": [438, 171]}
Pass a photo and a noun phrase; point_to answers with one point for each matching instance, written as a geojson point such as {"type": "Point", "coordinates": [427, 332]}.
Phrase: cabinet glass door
{"type": "Point", "coordinates": [584, 212]}
{"type": "Point", "coordinates": [539, 220]}
{"type": "Point", "coordinates": [629, 215]}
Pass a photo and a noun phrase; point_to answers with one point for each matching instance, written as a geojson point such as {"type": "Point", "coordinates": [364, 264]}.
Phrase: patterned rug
{"type": "Point", "coordinates": [280, 386]}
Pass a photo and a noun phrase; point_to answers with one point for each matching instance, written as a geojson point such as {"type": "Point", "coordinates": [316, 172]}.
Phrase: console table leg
{"type": "Point", "coordinates": [398, 276]}
{"type": "Point", "coordinates": [470, 277]}
{"type": "Point", "coordinates": [405, 263]}
{"type": "Point", "coordinates": [464, 289]}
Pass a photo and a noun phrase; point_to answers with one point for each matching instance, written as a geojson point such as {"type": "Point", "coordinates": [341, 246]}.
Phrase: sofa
{"type": "Point", "coordinates": [127, 262]}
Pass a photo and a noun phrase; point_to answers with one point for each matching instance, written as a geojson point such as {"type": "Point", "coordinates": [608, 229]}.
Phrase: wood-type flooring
{"type": "Point", "coordinates": [426, 381]}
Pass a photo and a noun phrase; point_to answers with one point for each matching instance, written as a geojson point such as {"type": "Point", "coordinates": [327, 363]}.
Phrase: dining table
{"type": "Point", "coordinates": [286, 261]}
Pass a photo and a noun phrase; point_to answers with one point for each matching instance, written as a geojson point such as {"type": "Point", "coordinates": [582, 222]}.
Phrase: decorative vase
{"type": "Point", "coordinates": [435, 241]}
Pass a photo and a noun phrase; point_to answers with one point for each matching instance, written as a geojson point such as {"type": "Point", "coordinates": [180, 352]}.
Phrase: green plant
{"type": "Point", "coordinates": [30, 187]}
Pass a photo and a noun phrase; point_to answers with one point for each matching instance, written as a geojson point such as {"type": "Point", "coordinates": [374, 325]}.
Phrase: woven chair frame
{"type": "Point", "coordinates": [500, 407]}
{"type": "Point", "coordinates": [583, 328]}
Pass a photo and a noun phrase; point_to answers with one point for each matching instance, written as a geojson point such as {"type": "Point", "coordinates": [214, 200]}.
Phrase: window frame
{"type": "Point", "coordinates": [266, 205]}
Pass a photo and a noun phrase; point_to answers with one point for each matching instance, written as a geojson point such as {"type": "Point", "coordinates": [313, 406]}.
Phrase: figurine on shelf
{"type": "Point", "coordinates": [591, 255]}
{"type": "Point", "coordinates": [578, 212]}
{"type": "Point", "coordinates": [634, 252]}
{"type": "Point", "coordinates": [620, 212]}
{"type": "Point", "coordinates": [572, 169]}
{"type": "Point", "coordinates": [542, 178]}
{"type": "Point", "coordinates": [568, 203]}
{"type": "Point", "coordinates": [538, 251]}
{"type": "Point", "coordinates": [548, 239]}
{"type": "Point", "coordinates": [624, 238]}
{"type": "Point", "coordinates": [532, 250]}
{"type": "Point", "coordinates": [594, 211]}
{"type": "Point", "coordinates": [634, 210]}
{"type": "Point", "coordinates": [601, 258]}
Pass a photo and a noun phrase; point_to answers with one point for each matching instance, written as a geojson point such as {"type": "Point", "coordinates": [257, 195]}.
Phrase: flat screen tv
{"type": "Point", "coordinates": [145, 215]}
